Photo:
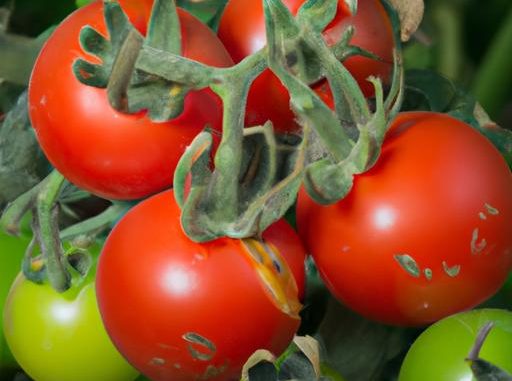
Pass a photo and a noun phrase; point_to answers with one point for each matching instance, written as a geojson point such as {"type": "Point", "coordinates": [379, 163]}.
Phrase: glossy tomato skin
{"type": "Point", "coordinates": [268, 98]}
{"type": "Point", "coordinates": [189, 311]}
{"type": "Point", "coordinates": [112, 154]}
{"type": "Point", "coordinates": [439, 352]}
{"type": "Point", "coordinates": [60, 336]}
{"type": "Point", "coordinates": [12, 250]}
{"type": "Point", "coordinates": [439, 194]}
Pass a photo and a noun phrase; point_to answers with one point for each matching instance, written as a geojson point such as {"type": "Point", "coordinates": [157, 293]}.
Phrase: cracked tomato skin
{"type": "Point", "coordinates": [268, 98]}
{"type": "Point", "coordinates": [438, 195]}
{"type": "Point", "coordinates": [112, 154]}
{"type": "Point", "coordinates": [181, 310]}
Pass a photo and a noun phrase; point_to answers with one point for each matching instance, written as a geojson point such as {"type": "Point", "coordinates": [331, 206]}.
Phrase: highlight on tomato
{"type": "Point", "coordinates": [268, 98]}
{"type": "Point", "coordinates": [60, 336]}
{"type": "Point", "coordinates": [112, 154]}
{"type": "Point", "coordinates": [181, 310]}
{"type": "Point", "coordinates": [424, 233]}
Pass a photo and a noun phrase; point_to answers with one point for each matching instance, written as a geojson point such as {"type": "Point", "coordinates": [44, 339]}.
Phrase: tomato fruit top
{"type": "Point", "coordinates": [268, 98]}
{"type": "Point", "coordinates": [181, 310]}
{"type": "Point", "coordinates": [439, 352]}
{"type": "Point", "coordinates": [112, 154]}
{"type": "Point", "coordinates": [425, 232]}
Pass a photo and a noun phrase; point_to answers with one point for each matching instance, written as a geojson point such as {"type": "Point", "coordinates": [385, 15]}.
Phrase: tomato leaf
{"type": "Point", "coordinates": [263, 371]}
{"type": "Point", "coordinates": [411, 14]}
{"type": "Point", "coordinates": [359, 349]}
{"type": "Point", "coordinates": [22, 164]}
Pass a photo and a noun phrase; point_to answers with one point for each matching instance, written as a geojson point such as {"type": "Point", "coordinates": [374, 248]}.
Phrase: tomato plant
{"type": "Point", "coordinates": [109, 153]}
{"type": "Point", "coordinates": [439, 353]}
{"type": "Point", "coordinates": [59, 336]}
{"type": "Point", "coordinates": [11, 255]}
{"type": "Point", "coordinates": [268, 98]}
{"type": "Point", "coordinates": [200, 309]}
{"type": "Point", "coordinates": [425, 232]}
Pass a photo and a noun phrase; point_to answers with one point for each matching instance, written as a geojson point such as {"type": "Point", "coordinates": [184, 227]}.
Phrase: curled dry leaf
{"type": "Point", "coordinates": [411, 14]}
{"type": "Point", "coordinates": [256, 357]}
{"type": "Point", "coordinates": [311, 349]}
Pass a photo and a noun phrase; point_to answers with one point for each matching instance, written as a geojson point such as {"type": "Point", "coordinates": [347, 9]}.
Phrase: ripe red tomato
{"type": "Point", "coordinates": [111, 154]}
{"type": "Point", "coordinates": [181, 310]}
{"type": "Point", "coordinates": [424, 233]}
{"type": "Point", "coordinates": [268, 99]}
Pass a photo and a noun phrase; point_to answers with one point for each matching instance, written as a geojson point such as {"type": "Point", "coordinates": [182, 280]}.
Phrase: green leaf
{"type": "Point", "coordinates": [22, 163]}
{"type": "Point", "coordinates": [263, 371]}
{"type": "Point", "coordinates": [357, 348]}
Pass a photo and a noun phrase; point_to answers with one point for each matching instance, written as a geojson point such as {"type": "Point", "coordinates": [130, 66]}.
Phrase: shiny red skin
{"type": "Point", "coordinates": [154, 285]}
{"type": "Point", "coordinates": [425, 197]}
{"type": "Point", "coordinates": [268, 99]}
{"type": "Point", "coordinates": [112, 154]}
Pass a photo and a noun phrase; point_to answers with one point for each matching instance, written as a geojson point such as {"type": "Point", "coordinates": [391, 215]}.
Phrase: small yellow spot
{"type": "Point", "coordinates": [175, 90]}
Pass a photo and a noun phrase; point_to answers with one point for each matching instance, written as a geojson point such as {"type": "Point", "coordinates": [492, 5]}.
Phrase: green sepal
{"type": "Point", "coordinates": [317, 14]}
{"type": "Point", "coordinates": [485, 371]}
{"type": "Point", "coordinates": [92, 42]}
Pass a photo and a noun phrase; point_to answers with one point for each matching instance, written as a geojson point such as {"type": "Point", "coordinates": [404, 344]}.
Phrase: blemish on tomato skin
{"type": "Point", "coordinates": [451, 271]}
{"type": "Point", "coordinates": [157, 361]}
{"type": "Point", "coordinates": [428, 273]}
{"type": "Point", "coordinates": [491, 210]}
{"type": "Point", "coordinates": [408, 264]}
{"type": "Point", "coordinates": [196, 341]}
{"type": "Point", "coordinates": [477, 246]}
{"type": "Point", "coordinates": [482, 216]}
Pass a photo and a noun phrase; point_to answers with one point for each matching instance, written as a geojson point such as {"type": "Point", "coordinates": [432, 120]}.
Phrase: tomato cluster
{"type": "Point", "coordinates": [422, 234]}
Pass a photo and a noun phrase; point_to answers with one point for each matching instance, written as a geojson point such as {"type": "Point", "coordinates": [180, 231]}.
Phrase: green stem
{"type": "Point", "coordinates": [233, 91]}
{"type": "Point", "coordinates": [96, 223]}
{"type": "Point", "coordinates": [12, 215]}
{"type": "Point", "coordinates": [46, 230]}
{"type": "Point", "coordinates": [493, 79]}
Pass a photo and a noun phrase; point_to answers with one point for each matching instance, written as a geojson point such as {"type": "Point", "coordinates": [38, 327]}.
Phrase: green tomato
{"type": "Point", "coordinates": [439, 352]}
{"type": "Point", "coordinates": [60, 336]}
{"type": "Point", "coordinates": [11, 256]}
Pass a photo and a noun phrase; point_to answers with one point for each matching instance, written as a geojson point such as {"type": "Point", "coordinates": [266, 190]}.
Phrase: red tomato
{"type": "Point", "coordinates": [181, 310]}
{"type": "Point", "coordinates": [268, 99]}
{"type": "Point", "coordinates": [424, 233]}
{"type": "Point", "coordinates": [111, 154]}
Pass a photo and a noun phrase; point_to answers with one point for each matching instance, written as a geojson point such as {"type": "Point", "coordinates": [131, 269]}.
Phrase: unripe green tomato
{"type": "Point", "coordinates": [439, 353]}
{"type": "Point", "coordinates": [60, 336]}
{"type": "Point", "coordinates": [11, 255]}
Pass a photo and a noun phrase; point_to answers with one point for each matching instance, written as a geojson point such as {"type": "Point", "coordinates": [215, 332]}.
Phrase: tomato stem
{"type": "Point", "coordinates": [474, 354]}
{"type": "Point", "coordinates": [46, 231]}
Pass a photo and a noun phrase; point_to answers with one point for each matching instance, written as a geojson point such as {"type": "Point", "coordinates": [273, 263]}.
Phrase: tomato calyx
{"type": "Point", "coordinates": [129, 90]}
